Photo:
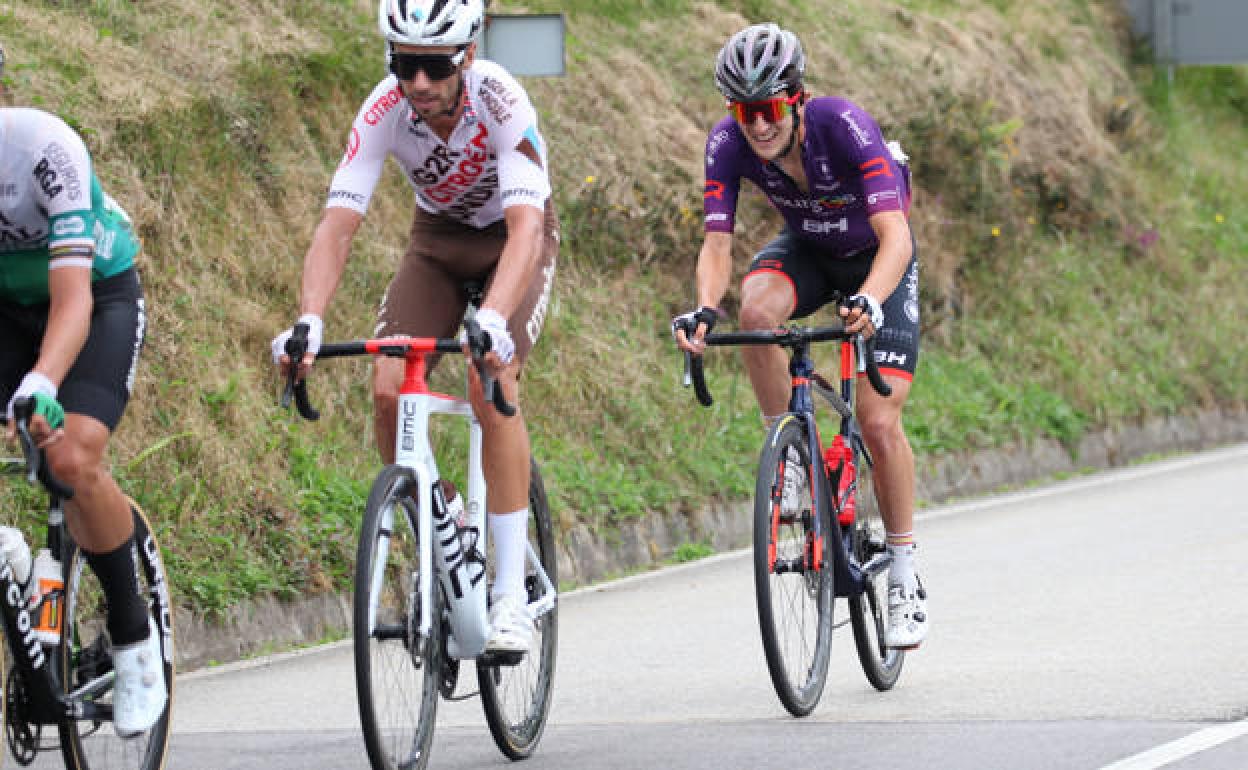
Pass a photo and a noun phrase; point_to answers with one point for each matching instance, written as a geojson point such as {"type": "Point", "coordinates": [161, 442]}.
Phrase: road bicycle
{"type": "Point", "coordinates": [69, 685]}
{"type": "Point", "coordinates": [420, 604]}
{"type": "Point", "coordinates": [802, 562]}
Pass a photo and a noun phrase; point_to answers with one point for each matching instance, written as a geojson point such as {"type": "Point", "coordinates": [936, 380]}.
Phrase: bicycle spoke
{"type": "Point", "coordinates": [396, 667]}
{"type": "Point", "coordinates": [516, 697]}
{"type": "Point", "coordinates": [88, 668]}
{"type": "Point", "coordinates": [792, 583]}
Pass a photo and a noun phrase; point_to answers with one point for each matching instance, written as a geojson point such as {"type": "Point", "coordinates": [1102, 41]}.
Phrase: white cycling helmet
{"type": "Point", "coordinates": [430, 22]}
{"type": "Point", "coordinates": [759, 62]}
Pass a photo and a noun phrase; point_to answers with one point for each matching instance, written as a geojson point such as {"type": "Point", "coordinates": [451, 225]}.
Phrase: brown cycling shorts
{"type": "Point", "coordinates": [426, 296]}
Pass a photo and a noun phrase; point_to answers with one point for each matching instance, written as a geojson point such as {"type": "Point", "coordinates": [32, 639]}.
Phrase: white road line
{"type": "Point", "coordinates": [1184, 747]}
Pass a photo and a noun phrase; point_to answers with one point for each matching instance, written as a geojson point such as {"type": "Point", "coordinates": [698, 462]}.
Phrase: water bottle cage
{"type": "Point", "coordinates": [470, 538]}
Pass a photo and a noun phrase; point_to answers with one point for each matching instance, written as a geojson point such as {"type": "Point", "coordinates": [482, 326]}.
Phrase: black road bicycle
{"type": "Point", "coordinates": [824, 538]}
{"type": "Point", "coordinates": [70, 685]}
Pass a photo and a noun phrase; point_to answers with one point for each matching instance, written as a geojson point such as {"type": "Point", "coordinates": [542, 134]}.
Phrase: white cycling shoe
{"type": "Point", "coordinates": [794, 481]}
{"type": "Point", "coordinates": [139, 694]}
{"type": "Point", "coordinates": [511, 626]}
{"type": "Point", "coordinates": [907, 616]}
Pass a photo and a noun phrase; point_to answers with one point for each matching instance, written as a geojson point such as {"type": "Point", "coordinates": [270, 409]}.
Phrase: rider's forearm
{"type": "Point", "coordinates": [714, 270]}
{"type": "Point", "coordinates": [519, 261]}
{"type": "Point", "coordinates": [69, 322]}
{"type": "Point", "coordinates": [891, 259]}
{"type": "Point", "coordinates": [325, 261]}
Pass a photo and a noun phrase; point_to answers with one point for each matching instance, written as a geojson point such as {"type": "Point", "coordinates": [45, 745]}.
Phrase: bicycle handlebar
{"type": "Point", "coordinates": [789, 337]}
{"type": "Point", "coordinates": [479, 344]}
{"type": "Point", "coordinates": [36, 461]}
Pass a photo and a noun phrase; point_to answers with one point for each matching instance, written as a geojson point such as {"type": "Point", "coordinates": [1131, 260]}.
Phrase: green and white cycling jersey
{"type": "Point", "coordinates": [53, 212]}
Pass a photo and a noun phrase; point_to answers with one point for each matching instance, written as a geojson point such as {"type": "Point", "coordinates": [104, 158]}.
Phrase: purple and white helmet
{"type": "Point", "coordinates": [759, 62]}
{"type": "Point", "coordinates": [431, 22]}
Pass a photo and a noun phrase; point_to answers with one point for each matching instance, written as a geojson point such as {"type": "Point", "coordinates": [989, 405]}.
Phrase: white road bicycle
{"type": "Point", "coordinates": [420, 606]}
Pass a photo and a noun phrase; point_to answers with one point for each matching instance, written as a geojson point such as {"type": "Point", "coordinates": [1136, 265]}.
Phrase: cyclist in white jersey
{"type": "Point", "coordinates": [71, 325]}
{"type": "Point", "coordinates": [464, 133]}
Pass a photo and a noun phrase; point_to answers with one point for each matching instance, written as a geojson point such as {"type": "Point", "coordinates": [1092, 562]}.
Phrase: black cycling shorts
{"type": "Point", "coordinates": [101, 379]}
{"type": "Point", "coordinates": [819, 278]}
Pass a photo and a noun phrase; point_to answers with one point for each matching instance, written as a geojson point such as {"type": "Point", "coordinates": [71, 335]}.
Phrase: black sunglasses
{"type": "Point", "coordinates": [437, 66]}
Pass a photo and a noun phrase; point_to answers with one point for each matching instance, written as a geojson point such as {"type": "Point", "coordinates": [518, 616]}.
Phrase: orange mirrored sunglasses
{"type": "Point", "coordinates": [773, 110]}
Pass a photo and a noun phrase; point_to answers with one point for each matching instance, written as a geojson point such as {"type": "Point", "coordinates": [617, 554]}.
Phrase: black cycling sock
{"type": "Point", "coordinates": [127, 612]}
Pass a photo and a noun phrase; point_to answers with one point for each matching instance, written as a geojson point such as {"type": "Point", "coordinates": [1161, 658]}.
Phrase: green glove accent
{"type": "Point", "coordinates": [51, 410]}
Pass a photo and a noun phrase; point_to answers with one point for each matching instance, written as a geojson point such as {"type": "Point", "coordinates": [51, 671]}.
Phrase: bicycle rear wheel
{"type": "Point", "coordinates": [517, 697]}
{"type": "Point", "coordinates": [396, 668]}
{"type": "Point", "coordinates": [869, 610]}
{"type": "Point", "coordinates": [792, 572]}
{"type": "Point", "coordinates": [85, 657]}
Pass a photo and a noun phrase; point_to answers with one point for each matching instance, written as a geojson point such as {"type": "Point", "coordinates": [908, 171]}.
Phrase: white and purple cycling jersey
{"type": "Point", "coordinates": [486, 165]}
{"type": "Point", "coordinates": [851, 171]}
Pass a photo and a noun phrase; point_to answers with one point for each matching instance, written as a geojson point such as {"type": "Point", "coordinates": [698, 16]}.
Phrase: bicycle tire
{"type": "Point", "coordinates": [516, 698]}
{"type": "Point", "coordinates": [795, 603]}
{"type": "Point", "coordinates": [869, 610]}
{"type": "Point", "coordinates": [396, 672]}
{"type": "Point", "coordinates": [85, 653]}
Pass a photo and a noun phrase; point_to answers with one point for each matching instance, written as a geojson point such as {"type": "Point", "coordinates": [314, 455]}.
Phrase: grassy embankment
{"type": "Point", "coordinates": [1081, 223]}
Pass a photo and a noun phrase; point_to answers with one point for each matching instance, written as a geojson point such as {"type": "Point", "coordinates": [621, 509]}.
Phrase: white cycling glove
{"type": "Point", "coordinates": [315, 329]}
{"type": "Point", "coordinates": [500, 339]}
{"type": "Point", "coordinates": [874, 312]}
{"type": "Point", "coordinates": [32, 383]}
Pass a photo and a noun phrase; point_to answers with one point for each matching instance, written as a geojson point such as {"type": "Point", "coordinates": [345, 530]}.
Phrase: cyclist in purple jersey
{"type": "Point", "coordinates": [844, 193]}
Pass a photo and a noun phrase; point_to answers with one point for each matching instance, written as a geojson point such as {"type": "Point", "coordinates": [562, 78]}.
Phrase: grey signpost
{"type": "Point", "coordinates": [1184, 32]}
{"type": "Point", "coordinates": [525, 44]}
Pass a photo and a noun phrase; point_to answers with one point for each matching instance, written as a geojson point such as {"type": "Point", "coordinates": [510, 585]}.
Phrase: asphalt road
{"type": "Point", "coordinates": [1097, 623]}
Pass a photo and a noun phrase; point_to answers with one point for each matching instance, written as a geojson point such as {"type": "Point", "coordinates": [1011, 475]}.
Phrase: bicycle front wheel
{"type": "Point", "coordinates": [86, 660]}
{"type": "Point", "coordinates": [396, 668]}
{"type": "Point", "coordinates": [517, 697]}
{"type": "Point", "coordinates": [792, 569]}
{"type": "Point", "coordinates": [869, 610]}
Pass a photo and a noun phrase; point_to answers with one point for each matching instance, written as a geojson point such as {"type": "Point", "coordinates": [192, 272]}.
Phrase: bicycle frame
{"type": "Point", "coordinates": [48, 704]}
{"type": "Point", "coordinates": [849, 572]}
{"type": "Point", "coordinates": [460, 565]}
{"type": "Point", "coordinates": [462, 574]}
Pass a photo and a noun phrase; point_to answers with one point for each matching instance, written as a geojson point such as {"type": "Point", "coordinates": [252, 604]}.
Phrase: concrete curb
{"type": "Point", "coordinates": [266, 625]}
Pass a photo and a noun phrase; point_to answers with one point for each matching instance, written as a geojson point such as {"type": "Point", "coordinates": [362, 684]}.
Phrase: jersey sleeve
{"type": "Point", "coordinates": [62, 187]}
{"type": "Point", "coordinates": [884, 183]}
{"type": "Point", "coordinates": [367, 146]}
{"type": "Point", "coordinates": [523, 171]}
{"type": "Point", "coordinates": [723, 178]}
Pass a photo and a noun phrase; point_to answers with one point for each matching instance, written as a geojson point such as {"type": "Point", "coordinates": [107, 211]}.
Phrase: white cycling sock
{"type": "Point", "coordinates": [509, 533]}
{"type": "Point", "coordinates": [901, 547]}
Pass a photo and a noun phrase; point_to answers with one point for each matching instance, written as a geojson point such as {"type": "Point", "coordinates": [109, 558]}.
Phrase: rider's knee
{"type": "Point", "coordinates": [74, 463]}
{"type": "Point", "coordinates": [756, 317]}
{"type": "Point", "coordinates": [882, 430]}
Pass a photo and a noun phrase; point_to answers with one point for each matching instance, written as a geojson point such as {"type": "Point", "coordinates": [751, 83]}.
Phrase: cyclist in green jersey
{"type": "Point", "coordinates": [71, 326]}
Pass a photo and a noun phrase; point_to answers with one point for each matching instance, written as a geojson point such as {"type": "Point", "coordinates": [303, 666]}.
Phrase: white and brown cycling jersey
{"type": "Point", "coordinates": [494, 158]}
